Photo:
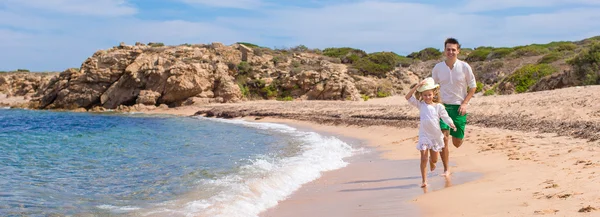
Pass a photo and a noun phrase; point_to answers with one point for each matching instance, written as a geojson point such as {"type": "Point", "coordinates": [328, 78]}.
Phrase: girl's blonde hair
{"type": "Point", "coordinates": [436, 95]}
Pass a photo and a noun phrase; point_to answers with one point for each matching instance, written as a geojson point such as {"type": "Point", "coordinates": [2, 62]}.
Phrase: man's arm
{"type": "Point", "coordinates": [472, 84]}
{"type": "Point", "coordinates": [470, 94]}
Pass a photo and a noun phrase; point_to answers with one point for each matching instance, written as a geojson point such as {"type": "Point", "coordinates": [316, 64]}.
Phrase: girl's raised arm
{"type": "Point", "coordinates": [412, 91]}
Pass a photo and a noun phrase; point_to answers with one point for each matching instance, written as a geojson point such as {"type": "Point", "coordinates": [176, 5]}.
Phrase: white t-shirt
{"type": "Point", "coordinates": [453, 83]}
{"type": "Point", "coordinates": [430, 133]}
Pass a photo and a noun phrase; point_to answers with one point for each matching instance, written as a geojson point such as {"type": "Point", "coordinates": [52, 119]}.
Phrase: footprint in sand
{"type": "Point", "coordinates": [547, 211]}
{"type": "Point", "coordinates": [575, 149]}
{"type": "Point", "coordinates": [550, 184]}
{"type": "Point", "coordinates": [559, 196]}
{"type": "Point", "coordinates": [586, 164]}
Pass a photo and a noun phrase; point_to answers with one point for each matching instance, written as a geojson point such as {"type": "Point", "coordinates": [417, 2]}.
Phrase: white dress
{"type": "Point", "coordinates": [430, 133]}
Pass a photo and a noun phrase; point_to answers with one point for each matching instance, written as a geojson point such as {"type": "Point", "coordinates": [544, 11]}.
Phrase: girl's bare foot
{"type": "Point", "coordinates": [424, 185]}
{"type": "Point", "coordinates": [432, 165]}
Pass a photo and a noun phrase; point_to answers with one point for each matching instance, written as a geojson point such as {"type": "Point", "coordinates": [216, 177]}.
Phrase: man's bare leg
{"type": "Point", "coordinates": [445, 153]}
{"type": "Point", "coordinates": [456, 141]}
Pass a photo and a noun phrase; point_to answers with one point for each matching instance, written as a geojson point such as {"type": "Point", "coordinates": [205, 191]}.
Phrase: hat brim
{"type": "Point", "coordinates": [428, 87]}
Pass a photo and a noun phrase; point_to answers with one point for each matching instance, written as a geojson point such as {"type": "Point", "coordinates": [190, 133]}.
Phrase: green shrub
{"type": "Point", "coordinates": [529, 50]}
{"type": "Point", "coordinates": [479, 87]}
{"type": "Point", "coordinates": [269, 91]}
{"type": "Point", "coordinates": [377, 64]}
{"type": "Point", "coordinates": [244, 67]}
{"type": "Point", "coordinates": [244, 89]}
{"type": "Point", "coordinates": [479, 54]}
{"type": "Point", "coordinates": [405, 61]}
{"type": "Point", "coordinates": [250, 45]}
{"type": "Point", "coordinates": [342, 51]}
{"type": "Point", "coordinates": [364, 97]}
{"type": "Point", "coordinates": [285, 98]}
{"type": "Point", "coordinates": [489, 92]}
{"type": "Point", "coordinates": [528, 75]}
{"type": "Point", "coordinates": [156, 44]}
{"type": "Point", "coordinates": [551, 57]}
{"type": "Point", "coordinates": [498, 53]}
{"type": "Point", "coordinates": [586, 65]}
{"type": "Point", "coordinates": [565, 46]}
{"type": "Point", "coordinates": [426, 54]}
{"type": "Point", "coordinates": [381, 94]}
{"type": "Point", "coordinates": [22, 70]}
{"type": "Point", "coordinates": [351, 58]}
{"type": "Point", "coordinates": [300, 48]}
{"type": "Point", "coordinates": [345, 54]}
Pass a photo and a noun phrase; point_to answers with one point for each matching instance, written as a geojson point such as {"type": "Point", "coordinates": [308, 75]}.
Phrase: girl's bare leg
{"type": "Point", "coordinates": [433, 158]}
{"type": "Point", "coordinates": [445, 153]}
{"type": "Point", "coordinates": [424, 167]}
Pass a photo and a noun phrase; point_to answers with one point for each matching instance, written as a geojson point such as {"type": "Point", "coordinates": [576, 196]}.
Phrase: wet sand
{"type": "Point", "coordinates": [370, 185]}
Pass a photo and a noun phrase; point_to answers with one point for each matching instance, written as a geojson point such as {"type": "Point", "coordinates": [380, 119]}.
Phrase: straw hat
{"type": "Point", "coordinates": [429, 84]}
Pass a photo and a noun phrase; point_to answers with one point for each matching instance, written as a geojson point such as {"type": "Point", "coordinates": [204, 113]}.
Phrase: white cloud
{"type": "Point", "coordinates": [23, 21]}
{"type": "Point", "coordinates": [492, 5]}
{"type": "Point", "coordinates": [405, 27]}
{"type": "Point", "coordinates": [74, 41]}
{"type": "Point", "coordinates": [240, 4]}
{"type": "Point", "coordinates": [78, 7]}
{"type": "Point", "coordinates": [169, 32]}
{"type": "Point", "coordinates": [373, 26]}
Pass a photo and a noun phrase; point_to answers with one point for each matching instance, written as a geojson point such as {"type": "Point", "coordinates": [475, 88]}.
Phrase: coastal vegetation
{"type": "Point", "coordinates": [494, 62]}
{"type": "Point", "coordinates": [528, 75]}
{"type": "Point", "coordinates": [586, 64]}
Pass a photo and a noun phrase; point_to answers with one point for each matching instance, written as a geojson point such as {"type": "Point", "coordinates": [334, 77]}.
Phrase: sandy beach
{"type": "Point", "coordinates": [524, 155]}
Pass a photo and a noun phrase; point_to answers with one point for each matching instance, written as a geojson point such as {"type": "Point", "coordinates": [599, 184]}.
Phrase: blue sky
{"type": "Point", "coordinates": [53, 35]}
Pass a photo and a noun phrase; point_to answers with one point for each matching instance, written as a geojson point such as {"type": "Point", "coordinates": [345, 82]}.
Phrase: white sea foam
{"type": "Point", "coordinates": [264, 182]}
{"type": "Point", "coordinates": [118, 209]}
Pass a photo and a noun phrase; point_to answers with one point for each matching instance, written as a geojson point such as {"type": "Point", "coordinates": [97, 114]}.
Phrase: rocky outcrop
{"type": "Point", "coordinates": [23, 84]}
{"type": "Point", "coordinates": [128, 75]}
{"type": "Point", "coordinates": [152, 75]}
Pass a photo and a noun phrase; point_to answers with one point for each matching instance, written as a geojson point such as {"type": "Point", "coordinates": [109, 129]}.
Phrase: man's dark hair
{"type": "Point", "coordinates": [451, 41]}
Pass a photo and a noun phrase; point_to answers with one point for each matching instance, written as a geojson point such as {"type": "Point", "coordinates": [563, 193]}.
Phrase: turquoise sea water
{"type": "Point", "coordinates": [63, 163]}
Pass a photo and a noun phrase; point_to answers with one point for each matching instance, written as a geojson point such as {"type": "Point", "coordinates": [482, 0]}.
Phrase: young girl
{"type": "Point", "coordinates": [430, 135]}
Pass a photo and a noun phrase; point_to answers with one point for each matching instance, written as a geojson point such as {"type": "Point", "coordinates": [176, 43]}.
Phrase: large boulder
{"type": "Point", "coordinates": [145, 74]}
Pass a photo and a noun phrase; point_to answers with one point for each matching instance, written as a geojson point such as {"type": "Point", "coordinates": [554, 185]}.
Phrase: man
{"type": "Point", "coordinates": [457, 86]}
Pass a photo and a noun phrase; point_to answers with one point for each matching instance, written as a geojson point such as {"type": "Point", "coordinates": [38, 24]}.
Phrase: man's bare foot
{"type": "Point", "coordinates": [432, 165]}
{"type": "Point", "coordinates": [424, 185]}
{"type": "Point", "coordinates": [446, 173]}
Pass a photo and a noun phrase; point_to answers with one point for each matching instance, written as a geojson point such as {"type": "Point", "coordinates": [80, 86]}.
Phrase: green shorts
{"type": "Point", "coordinates": [460, 121]}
